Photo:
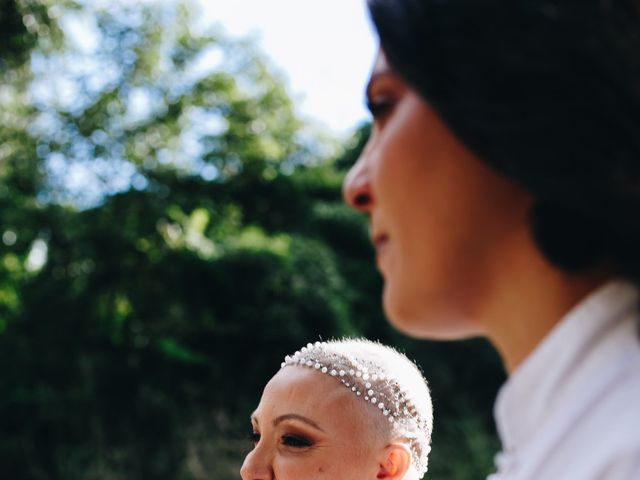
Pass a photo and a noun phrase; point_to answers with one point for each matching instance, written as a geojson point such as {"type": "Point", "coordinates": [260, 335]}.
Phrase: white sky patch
{"type": "Point", "coordinates": [37, 257]}
{"type": "Point", "coordinates": [210, 59]}
{"type": "Point", "coordinates": [326, 50]}
{"type": "Point", "coordinates": [80, 30]}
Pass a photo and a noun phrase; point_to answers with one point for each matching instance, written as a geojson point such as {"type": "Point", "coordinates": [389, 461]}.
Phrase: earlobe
{"type": "Point", "coordinates": [396, 463]}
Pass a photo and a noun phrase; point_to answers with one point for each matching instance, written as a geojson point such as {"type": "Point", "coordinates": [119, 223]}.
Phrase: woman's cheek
{"type": "Point", "coordinates": [294, 468]}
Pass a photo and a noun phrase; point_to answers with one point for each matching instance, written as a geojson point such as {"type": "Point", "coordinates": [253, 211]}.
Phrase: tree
{"type": "Point", "coordinates": [170, 231]}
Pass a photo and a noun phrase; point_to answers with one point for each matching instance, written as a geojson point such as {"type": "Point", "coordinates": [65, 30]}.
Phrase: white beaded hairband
{"type": "Point", "coordinates": [373, 384]}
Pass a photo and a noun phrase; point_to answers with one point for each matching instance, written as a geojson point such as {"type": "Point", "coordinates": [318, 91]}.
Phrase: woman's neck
{"type": "Point", "coordinates": [530, 298]}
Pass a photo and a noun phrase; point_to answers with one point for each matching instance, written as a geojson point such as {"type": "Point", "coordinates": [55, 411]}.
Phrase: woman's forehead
{"type": "Point", "coordinates": [307, 391]}
{"type": "Point", "coordinates": [303, 381]}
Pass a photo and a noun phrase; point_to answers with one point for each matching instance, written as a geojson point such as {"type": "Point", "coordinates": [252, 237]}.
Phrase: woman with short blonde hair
{"type": "Point", "coordinates": [347, 409]}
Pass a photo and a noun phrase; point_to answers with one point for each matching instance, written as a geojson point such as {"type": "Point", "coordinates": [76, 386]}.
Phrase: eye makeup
{"type": "Point", "coordinates": [379, 106]}
{"type": "Point", "coordinates": [254, 437]}
{"type": "Point", "coordinates": [296, 441]}
{"type": "Point", "coordinates": [382, 94]}
{"type": "Point", "coordinates": [292, 437]}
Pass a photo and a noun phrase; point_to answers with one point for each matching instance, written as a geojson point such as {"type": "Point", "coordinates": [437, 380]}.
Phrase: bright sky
{"type": "Point", "coordinates": [325, 48]}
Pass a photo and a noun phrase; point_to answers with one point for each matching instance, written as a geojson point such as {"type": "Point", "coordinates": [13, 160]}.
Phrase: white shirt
{"type": "Point", "coordinates": [571, 410]}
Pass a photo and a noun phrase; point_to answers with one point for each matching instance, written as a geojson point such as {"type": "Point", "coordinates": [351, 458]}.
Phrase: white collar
{"type": "Point", "coordinates": [561, 365]}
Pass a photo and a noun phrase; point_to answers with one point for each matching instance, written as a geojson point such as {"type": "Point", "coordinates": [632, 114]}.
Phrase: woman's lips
{"type": "Point", "coordinates": [380, 243]}
{"type": "Point", "coordinates": [380, 240]}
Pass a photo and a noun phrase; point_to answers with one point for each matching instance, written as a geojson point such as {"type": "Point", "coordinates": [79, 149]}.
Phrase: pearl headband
{"type": "Point", "coordinates": [370, 381]}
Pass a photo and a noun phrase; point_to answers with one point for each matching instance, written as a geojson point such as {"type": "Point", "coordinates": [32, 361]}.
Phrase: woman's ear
{"type": "Point", "coordinates": [395, 463]}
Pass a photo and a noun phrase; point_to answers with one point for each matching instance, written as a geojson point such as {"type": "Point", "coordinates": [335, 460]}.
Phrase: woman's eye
{"type": "Point", "coordinates": [379, 108]}
{"type": "Point", "coordinates": [296, 441]}
{"type": "Point", "coordinates": [254, 437]}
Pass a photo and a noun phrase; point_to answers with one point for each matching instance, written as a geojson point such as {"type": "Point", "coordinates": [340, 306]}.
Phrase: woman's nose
{"type": "Point", "coordinates": [356, 189]}
{"type": "Point", "coordinates": [256, 466]}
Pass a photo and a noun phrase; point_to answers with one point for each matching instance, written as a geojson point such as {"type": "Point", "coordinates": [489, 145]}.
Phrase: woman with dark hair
{"type": "Point", "coordinates": [502, 182]}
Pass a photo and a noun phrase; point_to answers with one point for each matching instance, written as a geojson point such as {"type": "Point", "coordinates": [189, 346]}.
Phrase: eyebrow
{"type": "Point", "coordinates": [292, 416]}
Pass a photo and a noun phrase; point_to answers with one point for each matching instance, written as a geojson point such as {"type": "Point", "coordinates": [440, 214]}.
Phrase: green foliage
{"type": "Point", "coordinates": [26, 24]}
{"type": "Point", "coordinates": [169, 231]}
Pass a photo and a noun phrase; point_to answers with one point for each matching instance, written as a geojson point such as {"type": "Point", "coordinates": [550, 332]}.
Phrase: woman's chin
{"type": "Point", "coordinates": [423, 319]}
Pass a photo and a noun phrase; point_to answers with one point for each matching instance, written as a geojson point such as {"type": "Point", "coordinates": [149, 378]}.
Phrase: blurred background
{"type": "Point", "coordinates": [171, 226]}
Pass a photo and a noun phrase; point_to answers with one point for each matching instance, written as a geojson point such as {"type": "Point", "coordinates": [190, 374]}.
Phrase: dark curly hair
{"type": "Point", "coordinates": [547, 92]}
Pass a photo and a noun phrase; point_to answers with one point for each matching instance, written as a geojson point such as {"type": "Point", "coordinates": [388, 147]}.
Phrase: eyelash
{"type": "Point", "coordinates": [292, 441]}
{"type": "Point", "coordinates": [379, 108]}
{"type": "Point", "coordinates": [295, 441]}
